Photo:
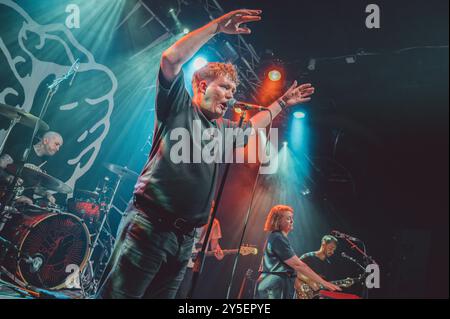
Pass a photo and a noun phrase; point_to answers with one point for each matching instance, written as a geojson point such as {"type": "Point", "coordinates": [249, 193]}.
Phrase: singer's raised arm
{"type": "Point", "coordinates": [296, 94]}
{"type": "Point", "coordinates": [181, 51]}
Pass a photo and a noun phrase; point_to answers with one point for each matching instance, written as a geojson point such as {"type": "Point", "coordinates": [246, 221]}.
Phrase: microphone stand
{"type": "Point", "coordinates": [247, 215]}
{"type": "Point", "coordinates": [200, 260]}
{"type": "Point", "coordinates": [367, 260]}
{"type": "Point", "coordinates": [354, 261]}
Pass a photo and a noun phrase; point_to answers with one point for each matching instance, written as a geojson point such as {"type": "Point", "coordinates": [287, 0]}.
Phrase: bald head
{"type": "Point", "coordinates": [52, 135]}
{"type": "Point", "coordinates": [50, 143]}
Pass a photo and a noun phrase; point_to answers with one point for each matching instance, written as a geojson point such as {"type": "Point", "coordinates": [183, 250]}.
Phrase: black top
{"type": "Point", "coordinates": [16, 152]}
{"type": "Point", "coordinates": [277, 250]}
{"type": "Point", "coordinates": [184, 189]}
{"type": "Point", "coordinates": [321, 267]}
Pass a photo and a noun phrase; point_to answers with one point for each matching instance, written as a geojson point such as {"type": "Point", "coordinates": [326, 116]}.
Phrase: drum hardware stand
{"type": "Point", "coordinates": [24, 293]}
{"type": "Point", "coordinates": [6, 215]}
{"type": "Point", "coordinates": [99, 231]}
{"type": "Point", "coordinates": [11, 126]}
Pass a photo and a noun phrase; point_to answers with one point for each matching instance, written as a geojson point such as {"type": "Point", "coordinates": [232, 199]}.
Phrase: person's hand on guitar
{"type": "Point", "coordinates": [331, 287]}
{"type": "Point", "coordinates": [218, 253]}
{"type": "Point", "coordinates": [315, 286]}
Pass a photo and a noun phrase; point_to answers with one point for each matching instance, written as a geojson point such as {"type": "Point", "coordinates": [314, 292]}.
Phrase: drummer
{"type": "Point", "coordinates": [48, 146]}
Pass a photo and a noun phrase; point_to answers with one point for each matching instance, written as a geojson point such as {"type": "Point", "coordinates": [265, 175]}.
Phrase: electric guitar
{"type": "Point", "coordinates": [244, 251]}
{"type": "Point", "coordinates": [306, 291]}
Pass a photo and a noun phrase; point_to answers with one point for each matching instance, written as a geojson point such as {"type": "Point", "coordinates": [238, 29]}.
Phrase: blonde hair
{"type": "Point", "coordinates": [275, 214]}
{"type": "Point", "coordinates": [212, 71]}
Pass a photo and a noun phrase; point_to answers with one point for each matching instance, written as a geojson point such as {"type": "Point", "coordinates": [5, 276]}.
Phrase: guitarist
{"type": "Point", "coordinates": [319, 261]}
{"type": "Point", "coordinates": [216, 234]}
{"type": "Point", "coordinates": [280, 263]}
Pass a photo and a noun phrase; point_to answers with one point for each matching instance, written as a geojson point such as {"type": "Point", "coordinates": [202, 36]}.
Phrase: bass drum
{"type": "Point", "coordinates": [50, 246]}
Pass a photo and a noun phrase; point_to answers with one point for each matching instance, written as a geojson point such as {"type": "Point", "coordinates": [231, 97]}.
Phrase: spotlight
{"type": "Point", "coordinates": [199, 63]}
{"type": "Point", "coordinates": [185, 30]}
{"type": "Point", "coordinates": [274, 75]}
{"type": "Point", "coordinates": [305, 191]}
{"type": "Point", "coordinates": [285, 143]}
{"type": "Point", "coordinates": [299, 115]}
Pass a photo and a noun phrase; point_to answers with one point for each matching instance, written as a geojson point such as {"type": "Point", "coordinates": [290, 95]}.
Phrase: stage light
{"type": "Point", "coordinates": [274, 75]}
{"type": "Point", "coordinates": [199, 63]}
{"type": "Point", "coordinates": [299, 115]}
{"type": "Point", "coordinates": [305, 191]}
{"type": "Point", "coordinates": [185, 30]}
{"type": "Point", "coordinates": [285, 143]}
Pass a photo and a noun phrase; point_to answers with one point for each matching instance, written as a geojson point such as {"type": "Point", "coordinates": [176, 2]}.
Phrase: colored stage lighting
{"type": "Point", "coordinates": [274, 75]}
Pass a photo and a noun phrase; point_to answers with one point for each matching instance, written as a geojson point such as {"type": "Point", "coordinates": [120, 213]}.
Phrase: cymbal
{"type": "Point", "coordinates": [121, 171]}
{"type": "Point", "coordinates": [40, 180]}
{"type": "Point", "coordinates": [25, 118]}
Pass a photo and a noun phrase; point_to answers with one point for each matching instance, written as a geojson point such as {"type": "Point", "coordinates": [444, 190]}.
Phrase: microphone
{"type": "Point", "coordinates": [244, 105]}
{"type": "Point", "coordinates": [73, 70]}
{"type": "Point", "coordinates": [338, 234]}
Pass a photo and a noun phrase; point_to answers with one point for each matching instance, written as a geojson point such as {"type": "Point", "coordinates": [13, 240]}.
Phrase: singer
{"type": "Point", "coordinates": [280, 263]}
{"type": "Point", "coordinates": [172, 199]}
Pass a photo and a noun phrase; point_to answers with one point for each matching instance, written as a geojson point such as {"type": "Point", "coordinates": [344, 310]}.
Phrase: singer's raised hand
{"type": "Point", "coordinates": [298, 94]}
{"type": "Point", "coordinates": [230, 23]}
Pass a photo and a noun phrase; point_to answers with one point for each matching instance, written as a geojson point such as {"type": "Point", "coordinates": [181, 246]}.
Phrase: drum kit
{"type": "Point", "coordinates": [44, 245]}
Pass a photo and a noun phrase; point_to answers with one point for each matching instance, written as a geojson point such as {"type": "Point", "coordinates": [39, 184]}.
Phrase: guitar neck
{"type": "Point", "coordinates": [225, 252]}
{"type": "Point", "coordinates": [343, 283]}
{"type": "Point", "coordinates": [340, 283]}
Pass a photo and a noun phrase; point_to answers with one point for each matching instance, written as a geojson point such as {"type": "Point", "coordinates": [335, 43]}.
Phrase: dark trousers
{"type": "Point", "coordinates": [148, 261]}
{"type": "Point", "coordinates": [274, 286]}
{"type": "Point", "coordinates": [186, 284]}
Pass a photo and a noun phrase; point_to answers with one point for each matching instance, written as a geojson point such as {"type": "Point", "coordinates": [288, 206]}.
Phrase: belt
{"type": "Point", "coordinates": [175, 223]}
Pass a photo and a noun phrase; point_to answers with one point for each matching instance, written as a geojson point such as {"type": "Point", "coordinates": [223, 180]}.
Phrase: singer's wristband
{"type": "Point", "coordinates": [282, 104]}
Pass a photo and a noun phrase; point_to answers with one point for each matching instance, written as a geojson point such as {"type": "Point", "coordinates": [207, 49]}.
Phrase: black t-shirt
{"type": "Point", "coordinates": [16, 152]}
{"type": "Point", "coordinates": [184, 189]}
{"type": "Point", "coordinates": [277, 250]}
{"type": "Point", "coordinates": [321, 267]}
